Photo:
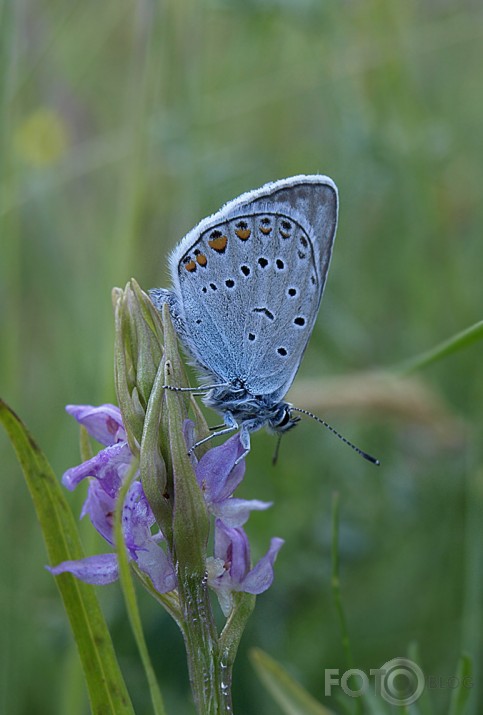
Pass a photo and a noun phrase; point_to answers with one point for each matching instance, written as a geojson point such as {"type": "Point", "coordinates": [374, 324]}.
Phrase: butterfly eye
{"type": "Point", "coordinates": [285, 419]}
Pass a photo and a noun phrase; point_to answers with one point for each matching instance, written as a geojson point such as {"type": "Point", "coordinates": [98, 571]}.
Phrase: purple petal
{"type": "Point", "coordinates": [222, 540]}
{"type": "Point", "coordinates": [99, 570]}
{"type": "Point", "coordinates": [235, 512]}
{"type": "Point", "coordinates": [137, 518]}
{"type": "Point", "coordinates": [261, 576]}
{"type": "Point", "coordinates": [232, 547]}
{"type": "Point", "coordinates": [104, 423]}
{"type": "Point", "coordinates": [109, 467]}
{"type": "Point", "coordinates": [100, 507]}
{"type": "Point", "coordinates": [157, 565]}
{"type": "Point", "coordinates": [216, 472]}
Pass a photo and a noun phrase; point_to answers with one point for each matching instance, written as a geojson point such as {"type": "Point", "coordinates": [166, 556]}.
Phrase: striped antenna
{"type": "Point", "coordinates": [337, 434]}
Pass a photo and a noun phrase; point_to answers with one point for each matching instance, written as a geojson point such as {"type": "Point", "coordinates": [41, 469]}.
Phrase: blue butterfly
{"type": "Point", "coordinates": [247, 285]}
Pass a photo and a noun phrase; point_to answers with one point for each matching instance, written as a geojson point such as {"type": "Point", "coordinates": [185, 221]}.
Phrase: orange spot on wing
{"type": "Point", "coordinates": [218, 244]}
{"type": "Point", "coordinates": [190, 266]}
{"type": "Point", "coordinates": [284, 234]}
{"type": "Point", "coordinates": [265, 229]}
{"type": "Point", "coordinates": [201, 259]}
{"type": "Point", "coordinates": [243, 233]}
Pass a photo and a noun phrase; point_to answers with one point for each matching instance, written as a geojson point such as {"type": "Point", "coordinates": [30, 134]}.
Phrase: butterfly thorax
{"type": "Point", "coordinates": [251, 411]}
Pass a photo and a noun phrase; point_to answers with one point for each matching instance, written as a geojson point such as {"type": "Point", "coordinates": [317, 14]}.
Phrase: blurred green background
{"type": "Point", "coordinates": [122, 124]}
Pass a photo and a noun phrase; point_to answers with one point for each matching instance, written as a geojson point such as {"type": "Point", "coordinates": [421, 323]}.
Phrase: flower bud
{"type": "Point", "coordinates": [152, 466]}
{"type": "Point", "coordinates": [138, 353]}
{"type": "Point", "coordinates": [191, 522]}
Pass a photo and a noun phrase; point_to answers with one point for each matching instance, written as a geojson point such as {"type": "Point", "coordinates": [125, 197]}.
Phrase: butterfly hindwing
{"type": "Point", "coordinates": [249, 280]}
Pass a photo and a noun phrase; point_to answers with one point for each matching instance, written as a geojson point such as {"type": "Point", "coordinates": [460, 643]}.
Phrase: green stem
{"type": "Point", "coordinates": [210, 675]}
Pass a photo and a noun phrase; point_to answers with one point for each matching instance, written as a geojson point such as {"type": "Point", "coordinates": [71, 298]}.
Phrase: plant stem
{"type": "Point", "coordinates": [210, 675]}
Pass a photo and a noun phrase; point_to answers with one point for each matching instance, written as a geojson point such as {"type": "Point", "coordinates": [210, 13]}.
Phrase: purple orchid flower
{"type": "Point", "coordinates": [108, 470]}
{"type": "Point", "coordinates": [218, 475]}
{"type": "Point", "coordinates": [230, 569]}
{"type": "Point", "coordinates": [111, 464]}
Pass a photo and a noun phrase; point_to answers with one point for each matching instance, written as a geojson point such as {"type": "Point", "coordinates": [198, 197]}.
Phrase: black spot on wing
{"type": "Point", "coordinates": [267, 313]}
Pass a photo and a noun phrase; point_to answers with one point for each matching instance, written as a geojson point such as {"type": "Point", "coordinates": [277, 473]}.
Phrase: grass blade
{"type": "Point", "coordinates": [107, 690]}
{"type": "Point", "coordinates": [288, 693]}
{"type": "Point", "coordinates": [460, 695]}
{"type": "Point", "coordinates": [457, 342]}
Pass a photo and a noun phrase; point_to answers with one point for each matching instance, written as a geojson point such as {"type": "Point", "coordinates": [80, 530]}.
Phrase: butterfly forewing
{"type": "Point", "coordinates": [251, 283]}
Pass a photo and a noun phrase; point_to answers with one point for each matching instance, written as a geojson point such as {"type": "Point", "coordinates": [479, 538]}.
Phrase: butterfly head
{"type": "Point", "coordinates": [282, 419]}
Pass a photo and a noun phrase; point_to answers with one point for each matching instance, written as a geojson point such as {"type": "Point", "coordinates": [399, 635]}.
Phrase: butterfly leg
{"type": "Point", "coordinates": [201, 390]}
{"type": "Point", "coordinates": [245, 442]}
{"type": "Point", "coordinates": [231, 426]}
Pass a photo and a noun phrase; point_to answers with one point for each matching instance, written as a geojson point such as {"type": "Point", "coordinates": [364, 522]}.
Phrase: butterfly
{"type": "Point", "coordinates": [246, 288]}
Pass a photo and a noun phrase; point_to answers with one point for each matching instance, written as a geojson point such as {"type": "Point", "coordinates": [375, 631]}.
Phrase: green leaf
{"type": "Point", "coordinates": [460, 695]}
{"type": "Point", "coordinates": [458, 342]}
{"type": "Point", "coordinates": [243, 605]}
{"type": "Point", "coordinates": [290, 695]}
{"type": "Point", "coordinates": [107, 691]}
{"type": "Point", "coordinates": [423, 704]}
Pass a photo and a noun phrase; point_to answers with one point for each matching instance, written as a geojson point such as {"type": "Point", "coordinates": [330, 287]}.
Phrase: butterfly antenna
{"type": "Point", "coordinates": [367, 456]}
{"type": "Point", "coordinates": [277, 450]}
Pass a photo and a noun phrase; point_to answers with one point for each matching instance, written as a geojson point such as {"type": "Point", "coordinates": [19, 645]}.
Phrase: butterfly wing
{"type": "Point", "coordinates": [248, 281]}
